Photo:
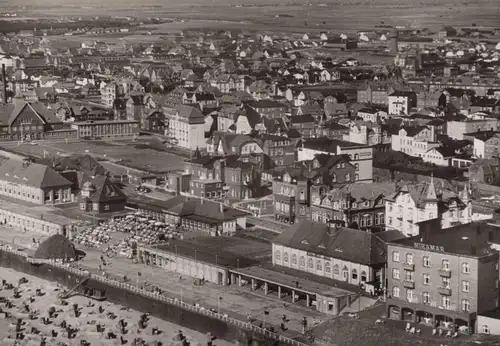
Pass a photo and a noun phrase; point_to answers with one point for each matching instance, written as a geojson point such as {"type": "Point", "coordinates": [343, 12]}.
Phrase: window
{"type": "Point", "coordinates": [409, 258]}
{"type": "Point", "coordinates": [363, 276]}
{"type": "Point", "coordinates": [446, 302]}
{"type": "Point", "coordinates": [334, 178]}
{"type": "Point", "coordinates": [356, 177]}
{"type": "Point", "coordinates": [446, 282]}
{"type": "Point", "coordinates": [426, 262]}
{"type": "Point", "coordinates": [395, 274]}
{"type": "Point", "coordinates": [395, 292]}
{"type": "Point", "coordinates": [318, 265]}
{"type": "Point", "coordinates": [354, 274]}
{"type": "Point", "coordinates": [485, 329]}
{"type": "Point", "coordinates": [302, 261]}
{"type": "Point", "coordinates": [328, 268]}
{"type": "Point", "coordinates": [445, 264]}
{"type": "Point", "coordinates": [347, 177]}
{"type": "Point", "coordinates": [345, 273]}
{"type": "Point", "coordinates": [356, 166]}
{"type": "Point", "coordinates": [336, 270]}
{"type": "Point", "coordinates": [106, 207]}
{"type": "Point", "coordinates": [390, 206]}
{"type": "Point", "coordinates": [285, 257]}
{"type": "Point", "coordinates": [465, 305]}
{"type": "Point", "coordinates": [409, 275]}
{"type": "Point", "coordinates": [277, 256]}
{"type": "Point", "coordinates": [409, 295]}
{"type": "Point", "coordinates": [426, 298]}
{"type": "Point", "coordinates": [465, 268]}
{"type": "Point", "coordinates": [465, 286]}
{"type": "Point", "coordinates": [395, 256]}
{"type": "Point", "coordinates": [310, 263]}
{"type": "Point", "coordinates": [294, 260]}
{"type": "Point", "coordinates": [426, 279]}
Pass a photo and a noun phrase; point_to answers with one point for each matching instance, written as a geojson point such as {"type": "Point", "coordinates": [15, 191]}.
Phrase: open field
{"type": "Point", "coordinates": [274, 15]}
{"type": "Point", "coordinates": [134, 154]}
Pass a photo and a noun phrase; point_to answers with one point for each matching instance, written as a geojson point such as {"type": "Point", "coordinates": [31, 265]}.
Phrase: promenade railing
{"type": "Point", "coordinates": [156, 295]}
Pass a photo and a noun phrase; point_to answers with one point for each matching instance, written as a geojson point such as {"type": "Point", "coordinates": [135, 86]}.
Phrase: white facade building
{"type": "Point", "coordinates": [414, 141]}
{"type": "Point", "coordinates": [417, 203]}
{"type": "Point", "coordinates": [187, 127]}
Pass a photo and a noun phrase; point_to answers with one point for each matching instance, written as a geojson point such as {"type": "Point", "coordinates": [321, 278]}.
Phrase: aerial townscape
{"type": "Point", "coordinates": [250, 174]}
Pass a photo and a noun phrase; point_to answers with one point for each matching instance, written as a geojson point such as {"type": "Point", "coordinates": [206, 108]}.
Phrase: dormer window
{"type": "Point", "coordinates": [304, 242]}
{"type": "Point", "coordinates": [321, 246]}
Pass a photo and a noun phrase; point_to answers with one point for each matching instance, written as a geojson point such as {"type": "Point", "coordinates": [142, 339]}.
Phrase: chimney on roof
{"type": "Point", "coordinates": [221, 207]}
{"type": "Point", "coordinates": [4, 79]}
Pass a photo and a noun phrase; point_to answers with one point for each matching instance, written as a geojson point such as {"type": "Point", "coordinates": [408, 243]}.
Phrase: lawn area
{"type": "Point", "coordinates": [140, 154]}
{"type": "Point", "coordinates": [347, 331]}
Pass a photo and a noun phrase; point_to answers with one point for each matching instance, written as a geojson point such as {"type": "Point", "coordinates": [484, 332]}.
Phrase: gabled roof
{"type": "Point", "coordinates": [300, 119]}
{"type": "Point", "coordinates": [420, 193]}
{"type": "Point", "coordinates": [412, 131]}
{"type": "Point", "coordinates": [44, 114]}
{"type": "Point", "coordinates": [361, 192]}
{"type": "Point", "coordinates": [32, 174]}
{"type": "Point", "coordinates": [190, 113]}
{"type": "Point", "coordinates": [342, 243]}
{"type": "Point", "coordinates": [137, 100]}
{"type": "Point", "coordinates": [105, 190]}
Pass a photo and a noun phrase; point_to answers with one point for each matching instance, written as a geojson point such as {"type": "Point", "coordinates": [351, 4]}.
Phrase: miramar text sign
{"type": "Point", "coordinates": [429, 247]}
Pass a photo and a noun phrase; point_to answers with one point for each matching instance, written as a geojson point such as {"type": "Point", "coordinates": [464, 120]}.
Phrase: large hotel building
{"type": "Point", "coordinates": [445, 278]}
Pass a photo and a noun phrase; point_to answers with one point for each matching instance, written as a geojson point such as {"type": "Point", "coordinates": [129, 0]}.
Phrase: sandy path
{"type": "Point", "coordinates": [86, 322]}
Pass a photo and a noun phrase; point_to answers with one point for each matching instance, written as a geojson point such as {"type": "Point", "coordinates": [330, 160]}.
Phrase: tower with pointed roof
{"type": "Point", "coordinates": [431, 201]}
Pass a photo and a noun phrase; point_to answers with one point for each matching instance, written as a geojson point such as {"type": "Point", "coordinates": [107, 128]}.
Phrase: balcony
{"type": "Point", "coordinates": [409, 284]}
{"type": "Point", "coordinates": [445, 291]}
{"type": "Point", "coordinates": [409, 266]}
{"type": "Point", "coordinates": [445, 273]}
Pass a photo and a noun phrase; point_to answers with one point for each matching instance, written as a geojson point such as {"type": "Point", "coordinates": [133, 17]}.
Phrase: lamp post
{"type": "Point", "coordinates": [22, 130]}
{"type": "Point", "coordinates": [196, 263]}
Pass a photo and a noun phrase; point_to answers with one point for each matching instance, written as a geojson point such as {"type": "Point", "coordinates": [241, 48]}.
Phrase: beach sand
{"type": "Point", "coordinates": [86, 322]}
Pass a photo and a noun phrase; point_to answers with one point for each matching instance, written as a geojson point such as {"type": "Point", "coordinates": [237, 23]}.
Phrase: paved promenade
{"type": "Point", "coordinates": [236, 302]}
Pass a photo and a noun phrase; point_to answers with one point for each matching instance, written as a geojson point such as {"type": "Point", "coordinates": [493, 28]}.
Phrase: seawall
{"type": "Point", "coordinates": [185, 315]}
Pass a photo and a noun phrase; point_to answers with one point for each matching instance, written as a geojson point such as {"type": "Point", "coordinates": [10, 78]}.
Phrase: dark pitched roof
{"type": "Point", "coordinates": [204, 97]}
{"type": "Point", "coordinates": [31, 174]}
{"type": "Point", "coordinates": [266, 104]}
{"type": "Point", "coordinates": [342, 243]}
{"type": "Point", "coordinates": [56, 246]}
{"type": "Point", "coordinates": [206, 210]}
{"type": "Point", "coordinates": [413, 130]}
{"type": "Point", "coordinates": [473, 239]}
{"type": "Point", "coordinates": [137, 100]}
{"type": "Point", "coordinates": [78, 162]}
{"type": "Point", "coordinates": [104, 190]}
{"type": "Point", "coordinates": [300, 119]}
